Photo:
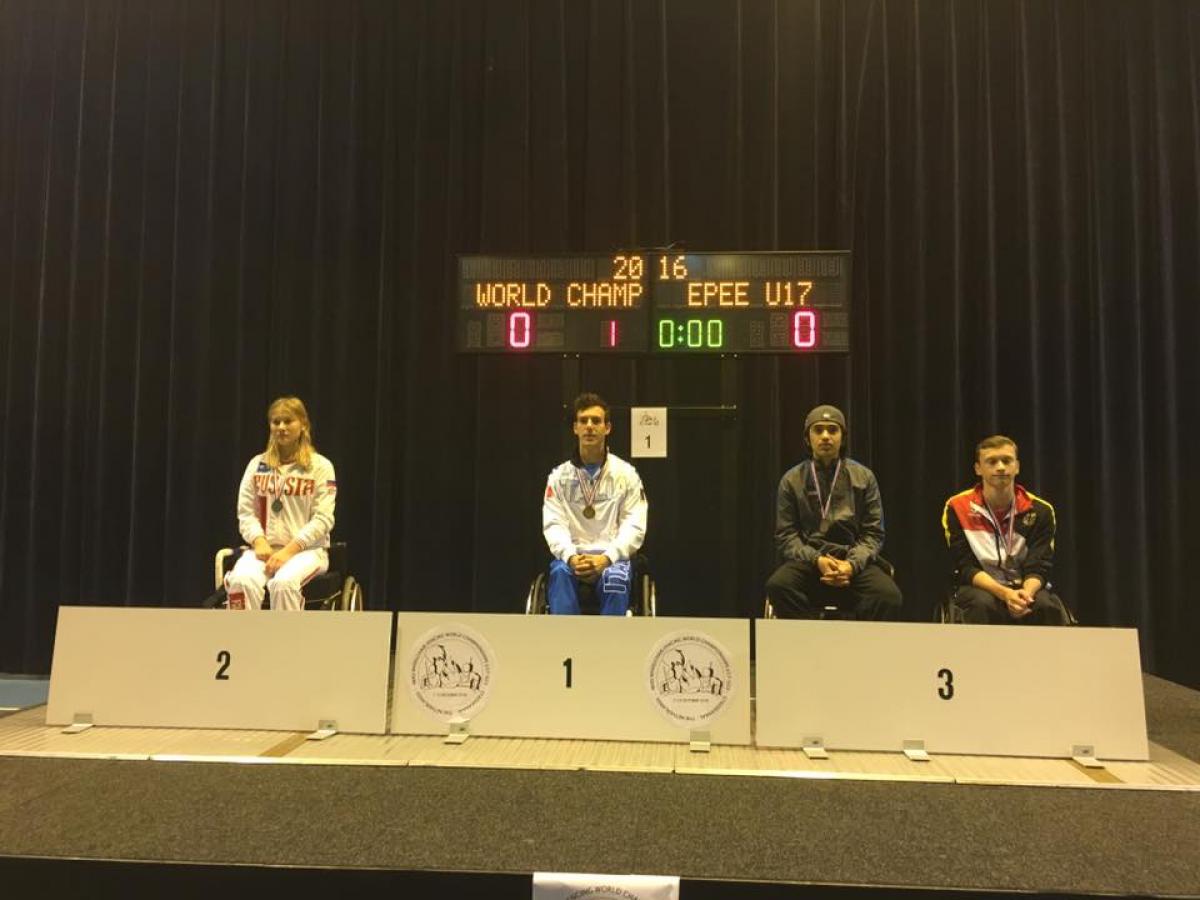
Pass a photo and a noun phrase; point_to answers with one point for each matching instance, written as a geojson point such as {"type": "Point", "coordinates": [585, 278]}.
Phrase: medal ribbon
{"type": "Point", "coordinates": [589, 497]}
{"type": "Point", "coordinates": [278, 492]}
{"type": "Point", "coordinates": [1006, 551]}
{"type": "Point", "coordinates": [817, 484]}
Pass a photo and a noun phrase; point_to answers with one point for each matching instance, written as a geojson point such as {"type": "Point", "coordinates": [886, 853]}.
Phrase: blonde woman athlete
{"type": "Point", "coordinates": [285, 514]}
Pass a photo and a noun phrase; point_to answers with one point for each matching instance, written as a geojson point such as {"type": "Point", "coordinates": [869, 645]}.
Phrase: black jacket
{"type": "Point", "coordinates": [854, 528]}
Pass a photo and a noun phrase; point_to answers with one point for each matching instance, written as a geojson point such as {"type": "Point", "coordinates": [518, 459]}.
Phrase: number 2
{"type": "Point", "coordinates": [224, 659]}
{"type": "Point", "coordinates": [946, 691]}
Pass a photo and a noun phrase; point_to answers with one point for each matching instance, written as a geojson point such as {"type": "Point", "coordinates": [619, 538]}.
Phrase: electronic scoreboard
{"type": "Point", "coordinates": [655, 302]}
{"type": "Point", "coordinates": [751, 303]}
{"type": "Point", "coordinates": [554, 304]}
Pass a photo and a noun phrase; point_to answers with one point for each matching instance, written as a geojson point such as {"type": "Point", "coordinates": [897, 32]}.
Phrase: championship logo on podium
{"type": "Point", "coordinates": [690, 678]}
{"type": "Point", "coordinates": [451, 672]}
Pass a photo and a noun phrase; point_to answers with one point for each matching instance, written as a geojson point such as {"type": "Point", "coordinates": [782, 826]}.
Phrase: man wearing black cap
{"type": "Point", "coordinates": [829, 530]}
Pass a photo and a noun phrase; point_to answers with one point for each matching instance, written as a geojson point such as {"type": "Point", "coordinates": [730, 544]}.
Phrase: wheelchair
{"type": "Point", "coordinates": [832, 611]}
{"type": "Point", "coordinates": [947, 612]}
{"type": "Point", "coordinates": [334, 590]}
{"type": "Point", "coordinates": [642, 600]}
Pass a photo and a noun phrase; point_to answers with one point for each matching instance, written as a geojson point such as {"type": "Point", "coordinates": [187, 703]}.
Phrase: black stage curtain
{"type": "Point", "coordinates": [206, 204]}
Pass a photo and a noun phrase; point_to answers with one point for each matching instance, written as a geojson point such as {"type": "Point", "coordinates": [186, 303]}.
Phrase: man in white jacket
{"type": "Point", "coordinates": [593, 517]}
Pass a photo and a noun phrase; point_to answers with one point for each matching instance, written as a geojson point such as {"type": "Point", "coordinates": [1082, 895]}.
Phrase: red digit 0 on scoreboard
{"type": "Point", "coordinates": [804, 329]}
{"type": "Point", "coordinates": [520, 330]}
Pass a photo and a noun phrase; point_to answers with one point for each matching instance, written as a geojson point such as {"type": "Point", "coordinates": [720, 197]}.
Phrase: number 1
{"type": "Point", "coordinates": [567, 666]}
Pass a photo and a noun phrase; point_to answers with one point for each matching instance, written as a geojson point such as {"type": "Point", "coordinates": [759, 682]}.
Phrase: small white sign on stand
{"type": "Point", "coordinates": [976, 689]}
{"type": "Point", "coordinates": [648, 431]}
{"type": "Point", "coordinates": [201, 668]}
{"type": "Point", "coordinates": [584, 677]}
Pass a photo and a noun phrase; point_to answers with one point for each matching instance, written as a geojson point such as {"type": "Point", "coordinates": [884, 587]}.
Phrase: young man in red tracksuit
{"type": "Point", "coordinates": [1001, 540]}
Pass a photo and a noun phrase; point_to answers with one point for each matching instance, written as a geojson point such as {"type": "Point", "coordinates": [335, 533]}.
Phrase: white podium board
{"type": "Point", "coordinates": [977, 689]}
{"type": "Point", "coordinates": [583, 677]}
{"type": "Point", "coordinates": [202, 668]}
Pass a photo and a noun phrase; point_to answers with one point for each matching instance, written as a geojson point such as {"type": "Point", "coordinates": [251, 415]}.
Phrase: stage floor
{"type": "Point", "coordinates": [25, 734]}
{"type": "Point", "coordinates": [210, 806]}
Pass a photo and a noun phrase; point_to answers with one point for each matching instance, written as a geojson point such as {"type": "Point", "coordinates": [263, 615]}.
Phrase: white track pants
{"type": "Point", "coordinates": [248, 578]}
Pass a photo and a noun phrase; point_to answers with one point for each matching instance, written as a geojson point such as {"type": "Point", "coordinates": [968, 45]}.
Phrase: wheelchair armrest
{"type": "Point", "coordinates": [220, 566]}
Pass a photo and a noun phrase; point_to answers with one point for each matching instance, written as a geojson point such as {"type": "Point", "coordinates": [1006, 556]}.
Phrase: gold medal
{"type": "Point", "coordinates": [589, 512]}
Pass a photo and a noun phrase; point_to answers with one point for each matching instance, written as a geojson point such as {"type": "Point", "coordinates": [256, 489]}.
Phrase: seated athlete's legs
{"type": "Point", "coordinates": [287, 584]}
{"type": "Point", "coordinates": [562, 594]}
{"type": "Point", "coordinates": [791, 590]}
{"type": "Point", "coordinates": [244, 583]}
{"type": "Point", "coordinates": [876, 595]}
{"type": "Point", "coordinates": [978, 607]}
{"type": "Point", "coordinates": [1048, 609]}
{"type": "Point", "coordinates": [616, 583]}
{"type": "Point", "coordinates": [981, 608]}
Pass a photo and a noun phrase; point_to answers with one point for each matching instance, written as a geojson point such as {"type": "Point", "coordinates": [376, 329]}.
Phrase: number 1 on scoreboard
{"type": "Point", "coordinates": [609, 333]}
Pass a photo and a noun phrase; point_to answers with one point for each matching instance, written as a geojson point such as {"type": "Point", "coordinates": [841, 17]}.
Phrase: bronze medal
{"type": "Point", "coordinates": [277, 505]}
{"type": "Point", "coordinates": [587, 490]}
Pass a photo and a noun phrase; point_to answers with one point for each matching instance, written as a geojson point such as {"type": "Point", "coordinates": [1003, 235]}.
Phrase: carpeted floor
{"type": "Point", "coordinates": [1173, 717]}
{"type": "Point", "coordinates": [904, 834]}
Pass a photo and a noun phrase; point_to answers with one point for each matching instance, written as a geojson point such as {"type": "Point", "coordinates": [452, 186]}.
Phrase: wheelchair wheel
{"type": "Point", "coordinates": [351, 598]}
{"type": "Point", "coordinates": [535, 600]}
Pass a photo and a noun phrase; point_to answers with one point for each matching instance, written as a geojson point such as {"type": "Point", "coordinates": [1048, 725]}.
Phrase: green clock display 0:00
{"type": "Point", "coordinates": [694, 334]}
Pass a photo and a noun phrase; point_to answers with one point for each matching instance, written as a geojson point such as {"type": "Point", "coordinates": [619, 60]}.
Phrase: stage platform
{"type": "Point", "coordinates": [396, 811]}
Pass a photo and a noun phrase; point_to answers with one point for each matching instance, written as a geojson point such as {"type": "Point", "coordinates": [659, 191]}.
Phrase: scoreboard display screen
{"type": "Point", "coordinates": [655, 302]}
{"type": "Point", "coordinates": [752, 303]}
{"type": "Point", "coordinates": [553, 304]}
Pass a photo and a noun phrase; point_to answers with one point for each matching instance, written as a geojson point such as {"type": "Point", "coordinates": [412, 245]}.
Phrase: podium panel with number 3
{"type": "Point", "coordinates": [995, 690]}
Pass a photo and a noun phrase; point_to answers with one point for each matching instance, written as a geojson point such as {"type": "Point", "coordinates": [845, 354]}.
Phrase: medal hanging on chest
{"type": "Point", "coordinates": [823, 505]}
{"type": "Point", "coordinates": [1006, 552]}
{"type": "Point", "coordinates": [277, 504]}
{"type": "Point", "coordinates": [588, 490]}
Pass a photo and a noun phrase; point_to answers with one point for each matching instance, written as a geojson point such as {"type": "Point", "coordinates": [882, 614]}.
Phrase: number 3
{"type": "Point", "coordinates": [946, 691]}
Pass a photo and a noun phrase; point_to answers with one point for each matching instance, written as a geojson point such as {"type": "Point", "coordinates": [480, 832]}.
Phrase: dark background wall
{"type": "Point", "coordinates": [206, 204]}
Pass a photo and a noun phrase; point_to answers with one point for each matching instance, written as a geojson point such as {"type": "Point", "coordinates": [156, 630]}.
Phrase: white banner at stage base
{"type": "Point", "coordinates": [579, 886]}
